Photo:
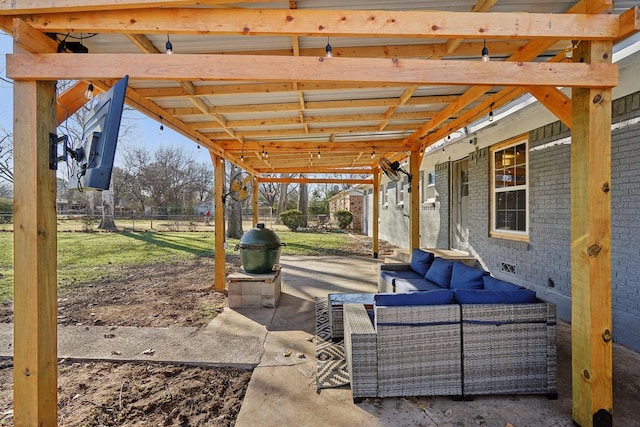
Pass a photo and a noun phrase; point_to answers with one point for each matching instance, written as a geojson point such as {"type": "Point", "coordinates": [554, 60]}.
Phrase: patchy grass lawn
{"type": "Point", "coordinates": [86, 257]}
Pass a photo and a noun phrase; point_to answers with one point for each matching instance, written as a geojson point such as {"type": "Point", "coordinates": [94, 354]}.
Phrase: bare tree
{"type": "Point", "coordinates": [6, 156]}
{"type": "Point", "coordinates": [233, 211]}
{"type": "Point", "coordinates": [282, 201]}
{"type": "Point", "coordinates": [303, 203]}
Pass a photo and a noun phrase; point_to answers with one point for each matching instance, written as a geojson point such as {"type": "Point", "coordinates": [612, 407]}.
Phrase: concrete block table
{"type": "Point", "coordinates": [254, 290]}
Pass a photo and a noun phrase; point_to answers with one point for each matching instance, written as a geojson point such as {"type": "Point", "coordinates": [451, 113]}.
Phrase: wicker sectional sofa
{"type": "Point", "coordinates": [452, 341]}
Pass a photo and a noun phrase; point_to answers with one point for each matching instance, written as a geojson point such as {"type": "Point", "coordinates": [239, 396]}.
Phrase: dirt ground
{"type": "Point", "coordinates": [145, 393]}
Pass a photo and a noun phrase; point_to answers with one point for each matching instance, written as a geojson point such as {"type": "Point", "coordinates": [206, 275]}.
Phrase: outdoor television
{"type": "Point", "coordinates": [93, 163]}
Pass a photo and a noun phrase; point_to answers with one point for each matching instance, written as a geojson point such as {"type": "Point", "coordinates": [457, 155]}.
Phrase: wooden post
{"type": "Point", "coordinates": [414, 209]}
{"type": "Point", "coordinates": [35, 254]}
{"type": "Point", "coordinates": [220, 262]}
{"type": "Point", "coordinates": [591, 247]}
{"type": "Point", "coordinates": [256, 207]}
{"type": "Point", "coordinates": [376, 211]}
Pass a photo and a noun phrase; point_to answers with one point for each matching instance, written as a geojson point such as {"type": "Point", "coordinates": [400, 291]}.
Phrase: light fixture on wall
{"type": "Point", "coordinates": [89, 92]}
{"type": "Point", "coordinates": [328, 49]}
{"type": "Point", "coordinates": [485, 52]}
{"type": "Point", "coordinates": [168, 46]}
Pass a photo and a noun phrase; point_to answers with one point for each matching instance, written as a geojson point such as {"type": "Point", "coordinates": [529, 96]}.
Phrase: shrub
{"type": "Point", "coordinates": [343, 218]}
{"type": "Point", "coordinates": [292, 219]}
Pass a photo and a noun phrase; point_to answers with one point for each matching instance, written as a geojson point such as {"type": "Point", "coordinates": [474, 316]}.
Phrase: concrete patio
{"type": "Point", "coordinates": [283, 391]}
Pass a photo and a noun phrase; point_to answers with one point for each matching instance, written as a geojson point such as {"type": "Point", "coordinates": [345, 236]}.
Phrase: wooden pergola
{"type": "Point", "coordinates": [256, 87]}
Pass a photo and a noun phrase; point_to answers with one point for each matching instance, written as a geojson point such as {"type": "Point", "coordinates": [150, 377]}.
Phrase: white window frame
{"type": "Point", "coordinates": [502, 233]}
{"type": "Point", "coordinates": [429, 187]}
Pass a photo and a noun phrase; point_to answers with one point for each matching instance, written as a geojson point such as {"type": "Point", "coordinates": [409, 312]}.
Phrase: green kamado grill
{"type": "Point", "coordinates": [259, 250]}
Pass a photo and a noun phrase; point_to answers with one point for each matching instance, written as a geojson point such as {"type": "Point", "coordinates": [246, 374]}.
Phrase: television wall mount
{"type": "Point", "coordinates": [56, 156]}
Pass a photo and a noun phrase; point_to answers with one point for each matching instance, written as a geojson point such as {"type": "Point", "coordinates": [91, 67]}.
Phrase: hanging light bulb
{"type": "Point", "coordinates": [266, 155]}
{"type": "Point", "coordinates": [491, 113]}
{"type": "Point", "coordinates": [89, 92]}
{"type": "Point", "coordinates": [373, 154]}
{"type": "Point", "coordinates": [161, 126]}
{"type": "Point", "coordinates": [328, 49]}
{"type": "Point", "coordinates": [485, 52]}
{"type": "Point", "coordinates": [242, 158]}
{"type": "Point", "coordinates": [318, 152]}
{"type": "Point", "coordinates": [168, 46]}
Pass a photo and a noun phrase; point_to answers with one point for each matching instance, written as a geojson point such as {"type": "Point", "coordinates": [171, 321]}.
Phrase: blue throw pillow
{"type": "Point", "coordinates": [493, 284]}
{"type": "Point", "coordinates": [421, 261]}
{"type": "Point", "coordinates": [436, 297]}
{"type": "Point", "coordinates": [483, 296]}
{"type": "Point", "coordinates": [466, 277]}
{"type": "Point", "coordinates": [440, 272]}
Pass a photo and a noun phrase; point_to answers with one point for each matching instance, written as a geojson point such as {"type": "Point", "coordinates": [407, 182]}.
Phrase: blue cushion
{"type": "Point", "coordinates": [436, 297]}
{"type": "Point", "coordinates": [440, 272]}
{"type": "Point", "coordinates": [390, 276]}
{"type": "Point", "coordinates": [483, 296]}
{"type": "Point", "coordinates": [493, 284]}
{"type": "Point", "coordinates": [421, 261]}
{"type": "Point", "coordinates": [414, 285]}
{"type": "Point", "coordinates": [466, 277]}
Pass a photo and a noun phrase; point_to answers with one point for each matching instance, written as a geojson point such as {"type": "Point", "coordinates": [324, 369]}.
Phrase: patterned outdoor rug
{"type": "Point", "coordinates": [331, 367]}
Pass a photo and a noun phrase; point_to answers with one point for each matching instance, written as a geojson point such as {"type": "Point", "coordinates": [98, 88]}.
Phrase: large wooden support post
{"type": "Point", "coordinates": [375, 220]}
{"type": "Point", "coordinates": [591, 247]}
{"type": "Point", "coordinates": [256, 207]}
{"type": "Point", "coordinates": [220, 262]}
{"type": "Point", "coordinates": [35, 256]}
{"type": "Point", "coordinates": [414, 209]}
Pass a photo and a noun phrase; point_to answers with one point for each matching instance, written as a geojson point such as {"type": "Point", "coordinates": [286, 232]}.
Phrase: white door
{"type": "Point", "coordinates": [460, 206]}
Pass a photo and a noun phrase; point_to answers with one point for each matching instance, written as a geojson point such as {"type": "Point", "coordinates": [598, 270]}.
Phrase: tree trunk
{"type": "Point", "coordinates": [303, 203]}
{"type": "Point", "coordinates": [108, 222]}
{"type": "Point", "coordinates": [282, 200]}
{"type": "Point", "coordinates": [234, 219]}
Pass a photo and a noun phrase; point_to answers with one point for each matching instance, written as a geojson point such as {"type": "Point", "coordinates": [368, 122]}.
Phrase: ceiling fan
{"type": "Point", "coordinates": [392, 169]}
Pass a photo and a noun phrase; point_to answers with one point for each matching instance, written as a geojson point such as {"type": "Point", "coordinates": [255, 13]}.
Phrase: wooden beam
{"type": "Point", "coordinates": [219, 250]}
{"type": "Point", "coordinates": [335, 23]}
{"type": "Point", "coordinates": [324, 170]}
{"type": "Point", "coordinates": [251, 68]}
{"type": "Point", "coordinates": [254, 201]}
{"type": "Point", "coordinates": [591, 323]}
{"type": "Point", "coordinates": [480, 6]}
{"type": "Point", "coordinates": [414, 200]}
{"type": "Point", "coordinates": [35, 249]}
{"type": "Point", "coordinates": [317, 180]}
{"type": "Point", "coordinates": [70, 101]}
{"type": "Point", "coordinates": [31, 40]}
{"type": "Point", "coordinates": [37, 6]}
{"type": "Point", "coordinates": [629, 22]}
{"type": "Point", "coordinates": [555, 101]}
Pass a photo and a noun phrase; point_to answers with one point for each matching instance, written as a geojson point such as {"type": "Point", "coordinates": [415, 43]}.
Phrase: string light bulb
{"type": "Point", "coordinates": [168, 46]}
{"type": "Point", "coordinates": [161, 126]}
{"type": "Point", "coordinates": [485, 52]}
{"type": "Point", "coordinates": [318, 152]}
{"type": "Point", "coordinates": [328, 49]}
{"type": "Point", "coordinates": [373, 154]}
{"type": "Point", "coordinates": [490, 113]}
{"type": "Point", "coordinates": [89, 92]}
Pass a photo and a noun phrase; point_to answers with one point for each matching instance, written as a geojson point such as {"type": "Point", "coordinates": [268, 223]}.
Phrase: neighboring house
{"type": "Point", "coordinates": [351, 200]}
{"type": "Point", "coordinates": [503, 195]}
{"type": "Point", "coordinates": [204, 206]}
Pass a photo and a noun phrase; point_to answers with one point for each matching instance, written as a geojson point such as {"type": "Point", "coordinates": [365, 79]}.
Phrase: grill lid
{"type": "Point", "coordinates": [259, 238]}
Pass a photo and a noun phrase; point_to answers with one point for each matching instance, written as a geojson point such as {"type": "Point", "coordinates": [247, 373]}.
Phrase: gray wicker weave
{"type": "Point", "coordinates": [509, 349]}
{"type": "Point", "coordinates": [451, 350]}
{"type": "Point", "coordinates": [418, 350]}
{"type": "Point", "coordinates": [360, 348]}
